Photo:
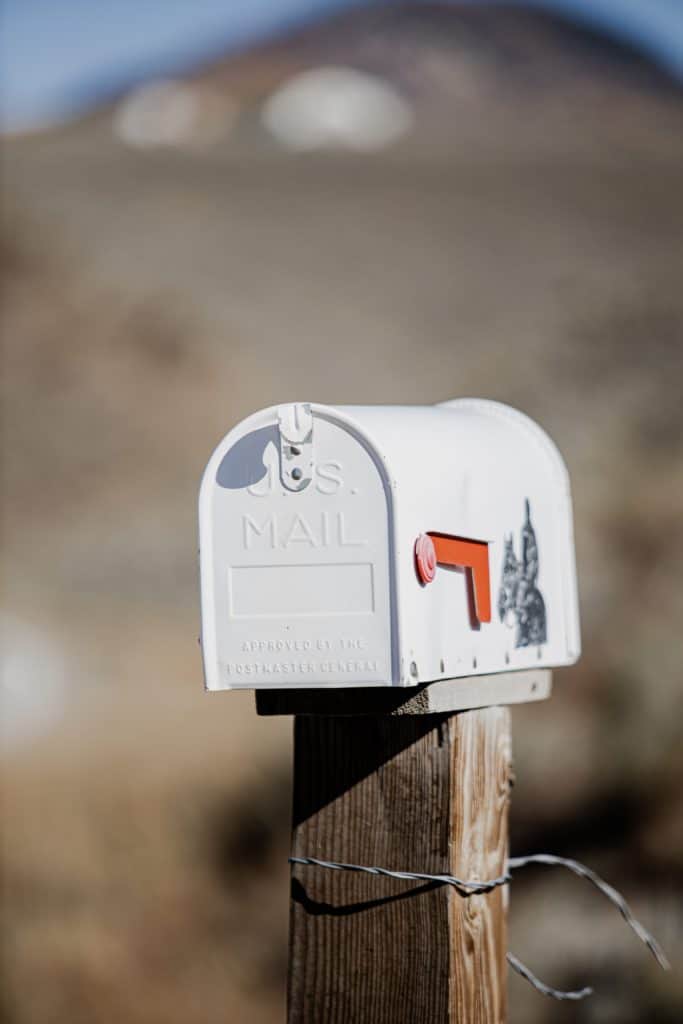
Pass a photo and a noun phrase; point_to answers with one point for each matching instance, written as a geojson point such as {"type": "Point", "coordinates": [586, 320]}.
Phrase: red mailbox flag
{"type": "Point", "coordinates": [443, 549]}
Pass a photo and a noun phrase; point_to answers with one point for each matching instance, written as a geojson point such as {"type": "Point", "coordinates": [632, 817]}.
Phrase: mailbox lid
{"type": "Point", "coordinates": [297, 584]}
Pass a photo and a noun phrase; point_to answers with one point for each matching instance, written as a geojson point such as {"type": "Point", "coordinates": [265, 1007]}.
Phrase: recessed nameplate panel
{"type": "Point", "coordinates": [265, 591]}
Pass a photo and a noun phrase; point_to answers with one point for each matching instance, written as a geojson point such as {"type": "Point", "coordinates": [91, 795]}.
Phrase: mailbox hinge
{"type": "Point", "coordinates": [296, 445]}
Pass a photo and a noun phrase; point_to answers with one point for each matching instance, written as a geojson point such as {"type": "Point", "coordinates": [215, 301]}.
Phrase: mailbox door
{"type": "Point", "coordinates": [296, 585]}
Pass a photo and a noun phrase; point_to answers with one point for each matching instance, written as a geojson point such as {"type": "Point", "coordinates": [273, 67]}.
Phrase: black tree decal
{"type": "Point", "coordinates": [520, 602]}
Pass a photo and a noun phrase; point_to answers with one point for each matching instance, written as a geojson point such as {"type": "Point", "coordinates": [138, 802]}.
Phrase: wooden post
{"type": "Point", "coordinates": [412, 791]}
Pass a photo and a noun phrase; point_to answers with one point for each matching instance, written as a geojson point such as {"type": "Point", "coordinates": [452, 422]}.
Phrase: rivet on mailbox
{"type": "Point", "coordinates": [355, 546]}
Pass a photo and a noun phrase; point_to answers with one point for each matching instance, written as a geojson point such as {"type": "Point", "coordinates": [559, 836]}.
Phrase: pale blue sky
{"type": "Point", "coordinates": [62, 56]}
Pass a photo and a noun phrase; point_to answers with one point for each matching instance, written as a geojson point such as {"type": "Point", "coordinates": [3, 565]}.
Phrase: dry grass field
{"type": "Point", "coordinates": [523, 244]}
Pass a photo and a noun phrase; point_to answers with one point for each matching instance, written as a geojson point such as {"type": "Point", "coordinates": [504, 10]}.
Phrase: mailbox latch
{"type": "Point", "coordinates": [296, 445]}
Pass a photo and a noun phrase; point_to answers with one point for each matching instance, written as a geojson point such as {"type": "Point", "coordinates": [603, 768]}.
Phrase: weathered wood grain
{"type": "Point", "coordinates": [417, 792]}
{"type": "Point", "coordinates": [481, 775]}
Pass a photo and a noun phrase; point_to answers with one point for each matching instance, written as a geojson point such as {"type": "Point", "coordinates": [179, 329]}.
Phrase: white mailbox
{"type": "Point", "coordinates": [365, 546]}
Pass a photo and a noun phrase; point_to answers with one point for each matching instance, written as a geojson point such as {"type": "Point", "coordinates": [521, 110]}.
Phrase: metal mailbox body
{"type": "Point", "coordinates": [309, 520]}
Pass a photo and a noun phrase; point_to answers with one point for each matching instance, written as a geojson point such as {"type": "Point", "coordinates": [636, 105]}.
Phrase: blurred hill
{"type": "Point", "coordinates": [427, 47]}
{"type": "Point", "coordinates": [521, 242]}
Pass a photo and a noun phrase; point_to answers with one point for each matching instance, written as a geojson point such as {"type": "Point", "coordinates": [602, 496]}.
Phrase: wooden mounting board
{"type": "Point", "coordinates": [441, 697]}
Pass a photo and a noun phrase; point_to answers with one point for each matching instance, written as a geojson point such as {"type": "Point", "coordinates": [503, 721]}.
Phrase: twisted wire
{"type": "Point", "coordinates": [476, 887]}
